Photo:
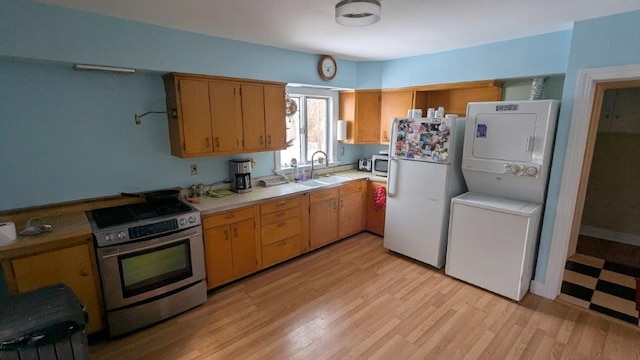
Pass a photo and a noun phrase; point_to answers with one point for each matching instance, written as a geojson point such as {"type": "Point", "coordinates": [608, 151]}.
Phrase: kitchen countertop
{"type": "Point", "coordinates": [68, 230]}
{"type": "Point", "coordinates": [73, 228]}
{"type": "Point", "coordinates": [258, 194]}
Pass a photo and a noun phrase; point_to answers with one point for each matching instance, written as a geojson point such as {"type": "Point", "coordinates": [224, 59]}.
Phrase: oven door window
{"type": "Point", "coordinates": [154, 268]}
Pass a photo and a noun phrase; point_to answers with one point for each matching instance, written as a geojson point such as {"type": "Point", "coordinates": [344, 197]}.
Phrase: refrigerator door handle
{"type": "Point", "coordinates": [392, 145]}
{"type": "Point", "coordinates": [390, 175]}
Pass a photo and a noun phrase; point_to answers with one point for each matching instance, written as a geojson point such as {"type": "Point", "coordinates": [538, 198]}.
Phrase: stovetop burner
{"type": "Point", "coordinates": [119, 215]}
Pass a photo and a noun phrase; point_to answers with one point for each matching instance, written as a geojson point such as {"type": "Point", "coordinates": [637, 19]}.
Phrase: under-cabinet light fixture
{"type": "Point", "coordinates": [85, 67]}
{"type": "Point", "coordinates": [138, 118]}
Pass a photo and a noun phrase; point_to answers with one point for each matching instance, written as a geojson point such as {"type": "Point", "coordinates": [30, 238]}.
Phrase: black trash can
{"type": "Point", "coordinates": [47, 323]}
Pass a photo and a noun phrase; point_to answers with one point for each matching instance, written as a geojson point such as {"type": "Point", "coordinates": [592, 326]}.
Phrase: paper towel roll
{"type": "Point", "coordinates": [7, 233]}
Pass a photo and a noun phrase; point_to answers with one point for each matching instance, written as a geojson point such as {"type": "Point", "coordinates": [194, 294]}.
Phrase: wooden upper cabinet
{"type": "Point", "coordinates": [395, 103]}
{"type": "Point", "coordinates": [361, 110]}
{"type": "Point", "coordinates": [253, 117]}
{"type": "Point", "coordinates": [216, 115]}
{"type": "Point", "coordinates": [275, 117]}
{"type": "Point", "coordinates": [226, 116]}
{"type": "Point", "coordinates": [455, 97]}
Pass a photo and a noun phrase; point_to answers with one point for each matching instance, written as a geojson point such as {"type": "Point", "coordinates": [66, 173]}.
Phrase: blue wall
{"type": "Point", "coordinates": [38, 31]}
{"type": "Point", "coordinates": [606, 41]}
{"type": "Point", "coordinates": [525, 57]}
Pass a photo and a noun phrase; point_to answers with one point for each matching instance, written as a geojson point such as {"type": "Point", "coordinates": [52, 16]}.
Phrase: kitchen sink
{"type": "Point", "coordinates": [311, 183]}
{"type": "Point", "coordinates": [332, 179]}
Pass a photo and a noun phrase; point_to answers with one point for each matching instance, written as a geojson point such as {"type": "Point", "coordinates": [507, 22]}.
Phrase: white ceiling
{"type": "Point", "coordinates": [407, 27]}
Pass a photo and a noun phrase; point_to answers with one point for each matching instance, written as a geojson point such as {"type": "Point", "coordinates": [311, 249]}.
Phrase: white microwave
{"type": "Point", "coordinates": [380, 165]}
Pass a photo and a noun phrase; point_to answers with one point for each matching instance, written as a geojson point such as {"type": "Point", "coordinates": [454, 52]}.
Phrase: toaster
{"type": "Point", "coordinates": [364, 164]}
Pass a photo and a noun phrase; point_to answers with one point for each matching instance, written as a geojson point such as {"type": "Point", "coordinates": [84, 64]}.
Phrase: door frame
{"type": "Point", "coordinates": [577, 163]}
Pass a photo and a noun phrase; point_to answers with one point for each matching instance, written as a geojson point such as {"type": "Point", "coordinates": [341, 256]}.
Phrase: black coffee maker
{"type": "Point", "coordinates": [240, 174]}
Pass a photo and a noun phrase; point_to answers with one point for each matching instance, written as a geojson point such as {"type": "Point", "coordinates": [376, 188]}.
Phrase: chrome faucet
{"type": "Point", "coordinates": [326, 159]}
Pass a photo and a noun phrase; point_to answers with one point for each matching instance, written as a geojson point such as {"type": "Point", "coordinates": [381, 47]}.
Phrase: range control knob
{"type": "Point", "coordinates": [532, 171]}
{"type": "Point", "coordinates": [514, 169]}
{"type": "Point", "coordinates": [192, 219]}
{"type": "Point", "coordinates": [121, 235]}
{"type": "Point", "coordinates": [109, 237]}
{"type": "Point", "coordinates": [183, 221]}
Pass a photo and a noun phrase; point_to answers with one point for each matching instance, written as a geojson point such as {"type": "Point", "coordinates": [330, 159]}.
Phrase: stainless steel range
{"type": "Point", "coordinates": [151, 262]}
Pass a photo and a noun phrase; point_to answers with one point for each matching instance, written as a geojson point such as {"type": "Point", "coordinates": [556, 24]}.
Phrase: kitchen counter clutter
{"type": "Point", "coordinates": [209, 205]}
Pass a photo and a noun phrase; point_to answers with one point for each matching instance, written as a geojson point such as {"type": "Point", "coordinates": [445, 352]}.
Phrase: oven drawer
{"type": "Point", "coordinates": [281, 230]}
{"type": "Point", "coordinates": [279, 216]}
{"type": "Point", "coordinates": [227, 217]}
{"type": "Point", "coordinates": [281, 250]}
{"type": "Point", "coordinates": [289, 203]}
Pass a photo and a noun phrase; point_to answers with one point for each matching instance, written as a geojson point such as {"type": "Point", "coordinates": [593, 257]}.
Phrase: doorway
{"type": "Point", "coordinates": [604, 259]}
{"type": "Point", "coordinates": [585, 104]}
{"type": "Point", "coordinates": [610, 223]}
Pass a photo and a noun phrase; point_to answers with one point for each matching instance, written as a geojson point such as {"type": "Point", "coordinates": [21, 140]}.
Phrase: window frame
{"type": "Point", "coordinates": [332, 146]}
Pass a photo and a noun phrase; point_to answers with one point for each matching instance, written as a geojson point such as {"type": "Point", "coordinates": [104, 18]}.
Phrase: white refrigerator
{"type": "Point", "coordinates": [424, 174]}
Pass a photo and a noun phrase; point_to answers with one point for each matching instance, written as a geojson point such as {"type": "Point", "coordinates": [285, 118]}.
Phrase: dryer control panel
{"type": "Point", "coordinates": [521, 170]}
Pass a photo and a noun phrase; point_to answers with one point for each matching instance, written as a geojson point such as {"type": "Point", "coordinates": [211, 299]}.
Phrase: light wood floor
{"type": "Point", "coordinates": [354, 299]}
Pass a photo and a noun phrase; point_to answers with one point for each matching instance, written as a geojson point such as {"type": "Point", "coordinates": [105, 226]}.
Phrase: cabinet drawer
{"type": "Point", "coordinates": [352, 187]}
{"type": "Point", "coordinates": [281, 250]}
{"type": "Point", "coordinates": [281, 230]}
{"type": "Point", "coordinates": [279, 216]}
{"type": "Point", "coordinates": [324, 195]}
{"type": "Point", "coordinates": [227, 217]}
{"type": "Point", "coordinates": [280, 205]}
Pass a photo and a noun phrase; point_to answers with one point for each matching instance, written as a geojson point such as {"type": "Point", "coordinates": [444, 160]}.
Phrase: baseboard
{"type": "Point", "coordinates": [611, 235]}
{"type": "Point", "coordinates": [539, 289]}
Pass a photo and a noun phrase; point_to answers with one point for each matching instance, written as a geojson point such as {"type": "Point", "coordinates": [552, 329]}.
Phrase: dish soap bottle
{"type": "Point", "coordinates": [296, 171]}
{"type": "Point", "coordinates": [303, 176]}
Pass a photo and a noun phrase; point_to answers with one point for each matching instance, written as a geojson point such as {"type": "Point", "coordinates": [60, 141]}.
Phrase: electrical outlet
{"type": "Point", "coordinates": [194, 169]}
{"type": "Point", "coordinates": [341, 150]}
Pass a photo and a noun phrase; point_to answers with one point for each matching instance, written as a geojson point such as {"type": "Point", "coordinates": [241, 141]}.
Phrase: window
{"type": "Point", "coordinates": [310, 128]}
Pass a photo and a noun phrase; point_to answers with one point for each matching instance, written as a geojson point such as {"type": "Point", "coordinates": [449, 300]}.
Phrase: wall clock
{"type": "Point", "coordinates": [327, 67]}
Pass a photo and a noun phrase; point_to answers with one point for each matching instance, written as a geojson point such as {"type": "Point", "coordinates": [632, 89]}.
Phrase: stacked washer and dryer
{"type": "Point", "coordinates": [494, 228]}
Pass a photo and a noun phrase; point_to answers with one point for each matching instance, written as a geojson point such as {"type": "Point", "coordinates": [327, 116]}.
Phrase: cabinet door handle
{"type": "Point", "coordinates": [335, 205]}
{"type": "Point", "coordinates": [84, 272]}
{"type": "Point", "coordinates": [230, 216]}
{"type": "Point", "coordinates": [261, 140]}
{"type": "Point", "coordinates": [235, 232]}
{"type": "Point", "coordinates": [281, 203]}
{"type": "Point", "coordinates": [208, 142]}
{"type": "Point", "coordinates": [226, 235]}
{"type": "Point", "coordinates": [269, 140]}
{"type": "Point", "coordinates": [281, 224]}
{"type": "Point", "coordinates": [217, 142]}
{"type": "Point", "coordinates": [341, 203]}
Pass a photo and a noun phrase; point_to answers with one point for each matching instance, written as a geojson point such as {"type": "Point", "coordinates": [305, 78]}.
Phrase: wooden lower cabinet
{"type": "Point", "coordinates": [242, 241]}
{"type": "Point", "coordinates": [375, 218]}
{"type": "Point", "coordinates": [282, 229]}
{"type": "Point", "coordinates": [352, 208]}
{"type": "Point", "coordinates": [71, 266]}
{"type": "Point", "coordinates": [323, 217]}
{"type": "Point", "coordinates": [230, 240]}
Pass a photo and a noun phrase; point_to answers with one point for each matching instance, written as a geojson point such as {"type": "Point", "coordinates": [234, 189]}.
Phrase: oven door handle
{"type": "Point", "coordinates": [118, 253]}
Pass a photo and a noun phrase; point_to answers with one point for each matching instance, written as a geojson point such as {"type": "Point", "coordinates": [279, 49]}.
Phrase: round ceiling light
{"type": "Point", "coordinates": [357, 12]}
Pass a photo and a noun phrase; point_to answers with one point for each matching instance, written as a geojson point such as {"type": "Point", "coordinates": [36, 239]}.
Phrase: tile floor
{"type": "Point", "coordinates": [602, 286]}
